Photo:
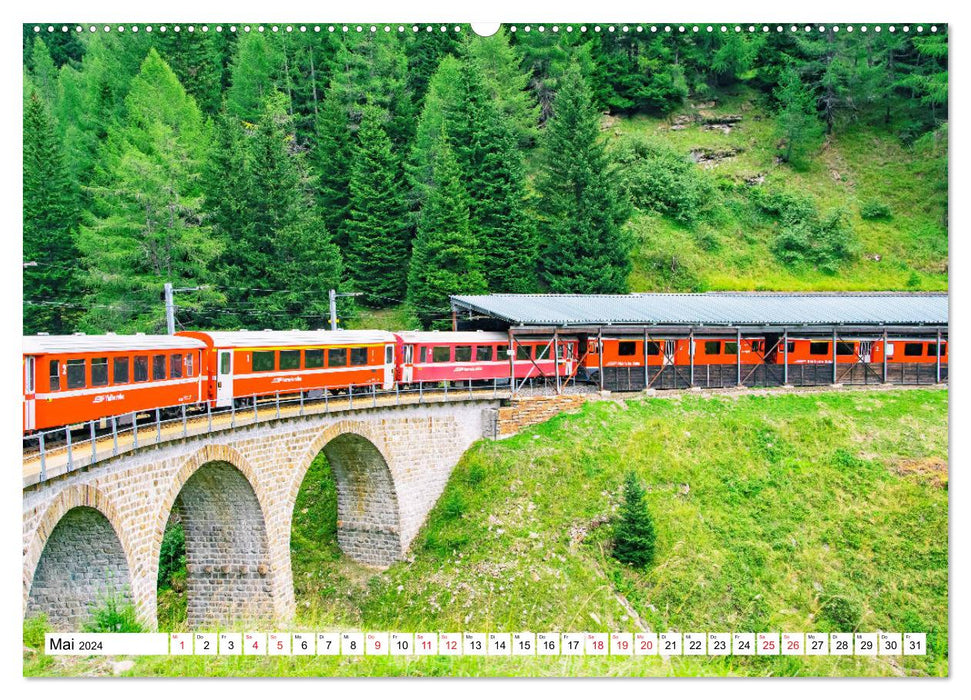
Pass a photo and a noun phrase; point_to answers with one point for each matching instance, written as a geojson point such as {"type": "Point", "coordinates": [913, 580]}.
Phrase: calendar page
{"type": "Point", "coordinates": [523, 349]}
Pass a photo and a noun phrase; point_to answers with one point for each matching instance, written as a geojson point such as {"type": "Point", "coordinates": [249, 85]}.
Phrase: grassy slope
{"type": "Point", "coordinates": [768, 507]}
{"type": "Point", "coordinates": [859, 163]}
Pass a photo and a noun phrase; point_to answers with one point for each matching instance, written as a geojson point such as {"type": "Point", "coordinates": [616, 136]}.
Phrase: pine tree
{"type": "Point", "coordinates": [280, 261]}
{"type": "Point", "coordinates": [634, 536]}
{"type": "Point", "coordinates": [43, 72]}
{"type": "Point", "coordinates": [377, 223]}
{"type": "Point", "coordinates": [586, 248]}
{"type": "Point", "coordinates": [254, 76]}
{"type": "Point", "coordinates": [797, 123]}
{"type": "Point", "coordinates": [444, 260]}
{"type": "Point", "coordinates": [507, 84]}
{"type": "Point", "coordinates": [52, 288]}
{"type": "Point", "coordinates": [145, 227]}
{"type": "Point", "coordinates": [332, 157]}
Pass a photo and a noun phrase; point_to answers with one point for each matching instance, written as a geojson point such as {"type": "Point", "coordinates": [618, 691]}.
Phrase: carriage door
{"type": "Point", "coordinates": [866, 350]}
{"type": "Point", "coordinates": [407, 364]}
{"type": "Point", "coordinates": [224, 379]}
{"type": "Point", "coordinates": [669, 348]}
{"type": "Point", "coordinates": [29, 393]}
{"type": "Point", "coordinates": [388, 367]}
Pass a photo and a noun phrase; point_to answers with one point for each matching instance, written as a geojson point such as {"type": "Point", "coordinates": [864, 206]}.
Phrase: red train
{"type": "Point", "coordinates": [69, 380]}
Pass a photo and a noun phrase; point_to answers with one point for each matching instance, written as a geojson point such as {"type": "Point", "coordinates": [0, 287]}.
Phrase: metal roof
{"type": "Point", "coordinates": [470, 337]}
{"type": "Point", "coordinates": [41, 344]}
{"type": "Point", "coordinates": [722, 308]}
{"type": "Point", "coordinates": [258, 339]}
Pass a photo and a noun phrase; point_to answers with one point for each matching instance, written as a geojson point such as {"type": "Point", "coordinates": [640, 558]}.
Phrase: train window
{"type": "Point", "coordinates": [29, 371]}
{"type": "Point", "coordinates": [119, 374]}
{"type": "Point", "coordinates": [337, 357]}
{"type": "Point", "coordinates": [358, 356]}
{"type": "Point", "coordinates": [264, 361]}
{"type": "Point", "coordinates": [313, 358]}
{"type": "Point", "coordinates": [409, 354]}
{"type": "Point", "coordinates": [913, 349]}
{"type": "Point", "coordinates": [626, 348]}
{"type": "Point", "coordinates": [713, 347]}
{"type": "Point", "coordinates": [442, 353]}
{"type": "Point", "coordinates": [543, 352]}
{"type": "Point", "coordinates": [819, 348]}
{"type": "Point", "coordinates": [188, 365]}
{"type": "Point", "coordinates": [932, 349]}
{"type": "Point", "coordinates": [99, 371]}
{"type": "Point", "coordinates": [175, 366]}
{"type": "Point", "coordinates": [653, 348]}
{"type": "Point", "coordinates": [423, 355]}
{"type": "Point", "coordinates": [758, 346]}
{"type": "Point", "coordinates": [141, 368]}
{"type": "Point", "coordinates": [791, 346]}
{"type": "Point", "coordinates": [158, 367]}
{"type": "Point", "coordinates": [504, 352]}
{"type": "Point", "coordinates": [731, 348]}
{"type": "Point", "coordinates": [463, 353]}
{"type": "Point", "coordinates": [55, 375]}
{"type": "Point", "coordinates": [388, 354]}
{"type": "Point", "coordinates": [75, 374]}
{"type": "Point", "coordinates": [524, 352]}
{"type": "Point", "coordinates": [483, 353]}
{"type": "Point", "coordinates": [845, 348]}
{"type": "Point", "coordinates": [289, 359]}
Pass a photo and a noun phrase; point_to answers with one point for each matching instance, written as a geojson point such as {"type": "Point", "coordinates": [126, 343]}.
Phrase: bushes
{"type": "Point", "coordinates": [114, 614]}
{"type": "Point", "coordinates": [804, 236]}
{"type": "Point", "coordinates": [874, 209]}
{"type": "Point", "coordinates": [634, 535]}
{"type": "Point", "coordinates": [171, 560]}
{"type": "Point", "coordinates": [656, 177]}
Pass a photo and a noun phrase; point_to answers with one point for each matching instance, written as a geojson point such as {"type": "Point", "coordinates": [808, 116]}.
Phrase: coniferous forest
{"type": "Point", "coordinates": [256, 170]}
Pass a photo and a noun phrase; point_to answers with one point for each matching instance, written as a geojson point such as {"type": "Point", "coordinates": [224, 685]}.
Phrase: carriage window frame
{"type": "Point", "coordinates": [626, 348]}
{"type": "Point", "coordinates": [441, 353]}
{"type": "Point", "coordinates": [54, 368]}
{"type": "Point", "coordinates": [337, 357]}
{"type": "Point", "coordinates": [189, 365]}
{"type": "Point", "coordinates": [292, 358]}
{"type": "Point", "coordinates": [713, 347]}
{"type": "Point", "coordinates": [313, 358]}
{"type": "Point", "coordinates": [484, 353]}
{"type": "Point", "coordinates": [175, 365]}
{"type": "Point", "coordinates": [463, 353]}
{"type": "Point", "coordinates": [819, 347]}
{"type": "Point", "coordinates": [932, 349]}
{"type": "Point", "coordinates": [543, 351]}
{"type": "Point", "coordinates": [654, 347]}
{"type": "Point", "coordinates": [731, 347]}
{"type": "Point", "coordinates": [264, 360]}
{"type": "Point", "coordinates": [120, 370]}
{"type": "Point", "coordinates": [845, 349]}
{"type": "Point", "coordinates": [141, 368]}
{"type": "Point", "coordinates": [524, 352]}
{"type": "Point", "coordinates": [913, 349]}
{"type": "Point", "coordinates": [76, 380]}
{"type": "Point", "coordinates": [358, 357]}
{"type": "Point", "coordinates": [99, 371]}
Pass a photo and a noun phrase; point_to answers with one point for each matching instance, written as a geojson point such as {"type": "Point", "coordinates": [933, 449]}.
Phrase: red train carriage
{"type": "Point", "coordinates": [72, 379]}
{"type": "Point", "coordinates": [261, 363]}
{"type": "Point", "coordinates": [439, 356]}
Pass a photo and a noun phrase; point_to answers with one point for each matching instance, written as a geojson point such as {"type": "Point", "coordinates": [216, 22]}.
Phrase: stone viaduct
{"type": "Point", "coordinates": [100, 529]}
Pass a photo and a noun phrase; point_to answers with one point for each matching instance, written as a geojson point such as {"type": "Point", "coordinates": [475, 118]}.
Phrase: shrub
{"type": "Point", "coordinates": [804, 236]}
{"type": "Point", "coordinates": [114, 614]}
{"type": "Point", "coordinates": [843, 613]}
{"type": "Point", "coordinates": [34, 629]}
{"type": "Point", "coordinates": [453, 506]}
{"type": "Point", "coordinates": [874, 209]}
{"type": "Point", "coordinates": [171, 560]}
{"type": "Point", "coordinates": [634, 535]}
{"type": "Point", "coordinates": [656, 177]}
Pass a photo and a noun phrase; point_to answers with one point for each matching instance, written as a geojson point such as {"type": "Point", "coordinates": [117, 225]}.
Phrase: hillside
{"type": "Point", "coordinates": [863, 163]}
{"type": "Point", "coordinates": [805, 511]}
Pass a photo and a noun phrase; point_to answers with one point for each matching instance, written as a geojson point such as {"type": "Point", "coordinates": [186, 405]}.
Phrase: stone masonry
{"type": "Point", "coordinates": [234, 490]}
{"type": "Point", "coordinates": [526, 411]}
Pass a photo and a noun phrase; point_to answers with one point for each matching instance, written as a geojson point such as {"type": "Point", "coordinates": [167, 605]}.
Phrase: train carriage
{"type": "Point", "coordinates": [244, 364]}
{"type": "Point", "coordinates": [446, 356]}
{"type": "Point", "coordinates": [78, 378]}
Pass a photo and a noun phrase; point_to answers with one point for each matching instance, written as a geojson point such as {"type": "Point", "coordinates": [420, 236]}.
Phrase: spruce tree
{"type": "Point", "coordinates": [587, 250]}
{"type": "Point", "coordinates": [254, 74]}
{"type": "Point", "coordinates": [377, 223]}
{"type": "Point", "coordinates": [145, 226]}
{"type": "Point", "coordinates": [797, 123]}
{"type": "Point", "coordinates": [52, 289]}
{"type": "Point", "coordinates": [332, 158]}
{"type": "Point", "coordinates": [444, 260]}
{"type": "Point", "coordinates": [634, 536]}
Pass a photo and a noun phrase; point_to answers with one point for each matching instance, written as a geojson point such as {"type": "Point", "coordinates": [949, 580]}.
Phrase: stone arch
{"type": "Point", "coordinates": [77, 557]}
{"type": "Point", "coordinates": [368, 515]}
{"type": "Point", "coordinates": [230, 572]}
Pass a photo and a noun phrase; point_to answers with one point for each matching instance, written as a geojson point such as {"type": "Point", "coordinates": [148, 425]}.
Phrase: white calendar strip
{"type": "Point", "coordinates": [489, 644]}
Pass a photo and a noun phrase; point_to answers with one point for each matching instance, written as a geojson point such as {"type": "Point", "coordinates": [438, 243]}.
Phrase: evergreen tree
{"type": "Point", "coordinates": [52, 287]}
{"type": "Point", "coordinates": [200, 61]}
{"type": "Point", "coordinates": [254, 76]}
{"type": "Point", "coordinates": [634, 536]}
{"type": "Point", "coordinates": [332, 157]}
{"type": "Point", "coordinates": [586, 247]}
{"type": "Point", "coordinates": [377, 223]}
{"type": "Point", "coordinates": [444, 260]}
{"type": "Point", "coordinates": [507, 84]}
{"type": "Point", "coordinates": [443, 106]}
{"type": "Point", "coordinates": [43, 72]}
{"type": "Point", "coordinates": [281, 260]}
{"type": "Point", "coordinates": [797, 122]}
{"type": "Point", "coordinates": [145, 227]}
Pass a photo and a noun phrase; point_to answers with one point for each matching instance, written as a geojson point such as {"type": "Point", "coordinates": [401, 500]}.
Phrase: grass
{"type": "Point", "coordinates": [858, 164]}
{"type": "Point", "coordinates": [782, 512]}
